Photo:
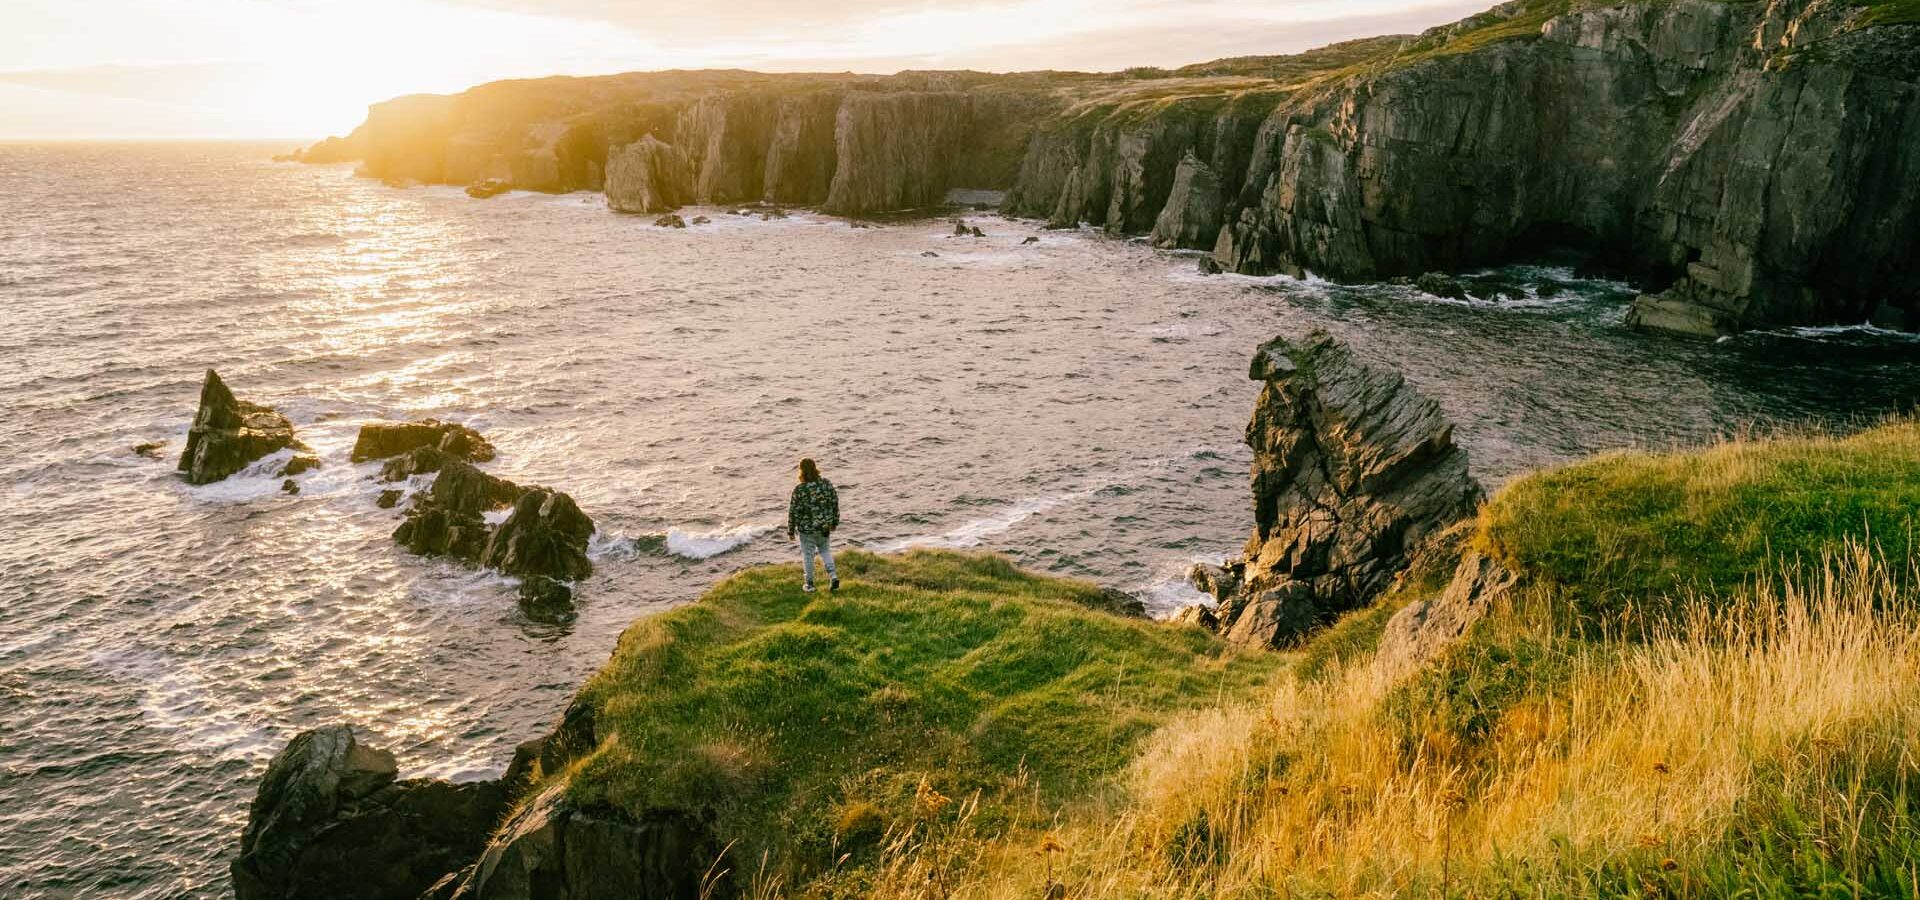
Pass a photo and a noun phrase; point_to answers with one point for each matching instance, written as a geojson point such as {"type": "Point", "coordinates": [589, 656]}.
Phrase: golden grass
{"type": "Point", "coordinates": [1760, 741]}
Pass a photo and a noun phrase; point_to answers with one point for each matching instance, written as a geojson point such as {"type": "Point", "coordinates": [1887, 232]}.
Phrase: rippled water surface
{"type": "Point", "coordinates": [1077, 403]}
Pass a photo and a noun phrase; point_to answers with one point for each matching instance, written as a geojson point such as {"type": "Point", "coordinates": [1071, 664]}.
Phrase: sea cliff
{"type": "Point", "coordinates": [1752, 163]}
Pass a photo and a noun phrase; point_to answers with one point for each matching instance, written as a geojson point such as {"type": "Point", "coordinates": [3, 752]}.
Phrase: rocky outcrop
{"type": "Point", "coordinates": [381, 440]}
{"type": "Point", "coordinates": [330, 820]}
{"type": "Point", "coordinates": [1191, 216]}
{"type": "Point", "coordinates": [648, 176]}
{"type": "Point", "coordinates": [1421, 630]}
{"type": "Point", "coordinates": [449, 519]}
{"type": "Point", "coordinates": [546, 535]}
{"type": "Point", "coordinates": [556, 850]}
{"type": "Point", "coordinates": [1352, 471]}
{"type": "Point", "coordinates": [228, 434]}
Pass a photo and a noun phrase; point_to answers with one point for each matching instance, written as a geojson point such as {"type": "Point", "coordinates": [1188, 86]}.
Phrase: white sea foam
{"type": "Point", "coordinates": [176, 700]}
{"type": "Point", "coordinates": [708, 544]}
{"type": "Point", "coordinates": [971, 534]}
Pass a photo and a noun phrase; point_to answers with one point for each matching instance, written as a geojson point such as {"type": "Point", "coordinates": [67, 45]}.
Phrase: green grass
{"type": "Point", "coordinates": [1624, 530]}
{"type": "Point", "coordinates": [1889, 12]}
{"type": "Point", "coordinates": [791, 721]}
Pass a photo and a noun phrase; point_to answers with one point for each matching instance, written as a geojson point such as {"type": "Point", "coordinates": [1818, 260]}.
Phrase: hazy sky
{"type": "Point", "coordinates": [306, 68]}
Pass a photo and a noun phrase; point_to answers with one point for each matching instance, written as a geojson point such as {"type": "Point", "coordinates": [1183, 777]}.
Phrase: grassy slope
{"type": "Point", "coordinates": [1756, 740]}
{"type": "Point", "coordinates": [1624, 530]}
{"type": "Point", "coordinates": [808, 723]}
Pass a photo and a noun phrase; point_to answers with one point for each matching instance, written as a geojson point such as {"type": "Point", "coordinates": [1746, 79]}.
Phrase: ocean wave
{"type": "Point", "coordinates": [707, 544]}
{"type": "Point", "coordinates": [973, 533]}
{"type": "Point", "coordinates": [174, 699]}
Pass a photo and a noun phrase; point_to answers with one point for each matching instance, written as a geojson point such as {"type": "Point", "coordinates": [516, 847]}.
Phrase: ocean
{"type": "Point", "coordinates": [1076, 403]}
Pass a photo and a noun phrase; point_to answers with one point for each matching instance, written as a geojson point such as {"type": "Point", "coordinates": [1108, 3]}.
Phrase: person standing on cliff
{"type": "Point", "coordinates": [813, 512]}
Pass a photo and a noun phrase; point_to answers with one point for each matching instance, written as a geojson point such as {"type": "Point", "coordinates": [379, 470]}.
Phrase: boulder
{"type": "Point", "coordinates": [304, 462]}
{"type": "Point", "coordinates": [228, 434]}
{"type": "Point", "coordinates": [1209, 265]}
{"type": "Point", "coordinates": [381, 440]}
{"type": "Point", "coordinates": [330, 820]}
{"type": "Point", "coordinates": [553, 849]}
{"type": "Point", "coordinates": [1352, 470]}
{"type": "Point", "coordinates": [1422, 629]}
{"type": "Point", "coordinates": [545, 599]}
{"type": "Point", "coordinates": [545, 535]}
{"type": "Point", "coordinates": [388, 499]}
{"type": "Point", "coordinates": [648, 176]}
{"type": "Point", "coordinates": [1441, 285]}
{"type": "Point", "coordinates": [289, 486]}
{"type": "Point", "coordinates": [448, 519]}
{"type": "Point", "coordinates": [492, 187]}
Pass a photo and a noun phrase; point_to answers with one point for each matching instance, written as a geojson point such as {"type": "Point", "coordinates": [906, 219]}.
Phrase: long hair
{"type": "Point", "coordinates": [809, 471]}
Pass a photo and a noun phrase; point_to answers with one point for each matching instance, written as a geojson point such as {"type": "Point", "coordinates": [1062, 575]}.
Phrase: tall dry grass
{"type": "Point", "coordinates": [1760, 744]}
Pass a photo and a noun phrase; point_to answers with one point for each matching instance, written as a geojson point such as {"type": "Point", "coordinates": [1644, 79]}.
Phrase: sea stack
{"type": "Point", "coordinates": [228, 434]}
{"type": "Point", "coordinates": [1352, 471]}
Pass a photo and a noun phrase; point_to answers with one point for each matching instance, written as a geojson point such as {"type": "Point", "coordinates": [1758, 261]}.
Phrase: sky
{"type": "Point", "coordinates": [308, 68]}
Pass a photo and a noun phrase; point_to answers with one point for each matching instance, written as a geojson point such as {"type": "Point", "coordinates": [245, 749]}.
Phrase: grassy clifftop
{"type": "Point", "coordinates": [816, 725]}
{"type": "Point", "coordinates": [948, 726]}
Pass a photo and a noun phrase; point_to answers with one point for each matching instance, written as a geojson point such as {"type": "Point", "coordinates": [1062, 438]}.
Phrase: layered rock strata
{"type": "Point", "coordinates": [1352, 471]}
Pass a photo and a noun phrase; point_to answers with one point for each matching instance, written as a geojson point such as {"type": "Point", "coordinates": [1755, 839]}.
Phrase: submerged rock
{"type": "Point", "coordinates": [330, 820]}
{"type": "Point", "coordinates": [546, 535]}
{"type": "Point", "coordinates": [289, 486]}
{"type": "Point", "coordinates": [1352, 470]}
{"type": "Point", "coordinates": [388, 499]}
{"type": "Point", "coordinates": [150, 449]}
{"type": "Point", "coordinates": [1209, 266]}
{"type": "Point", "coordinates": [1441, 285]}
{"type": "Point", "coordinates": [670, 220]}
{"type": "Point", "coordinates": [545, 599]}
{"type": "Point", "coordinates": [380, 440]}
{"type": "Point", "coordinates": [302, 463]}
{"type": "Point", "coordinates": [1030, 240]}
{"type": "Point", "coordinates": [492, 187]}
{"type": "Point", "coordinates": [228, 434]}
{"type": "Point", "coordinates": [701, 220]}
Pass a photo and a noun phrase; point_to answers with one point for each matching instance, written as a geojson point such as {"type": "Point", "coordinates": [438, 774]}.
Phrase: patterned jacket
{"type": "Point", "coordinates": [814, 507]}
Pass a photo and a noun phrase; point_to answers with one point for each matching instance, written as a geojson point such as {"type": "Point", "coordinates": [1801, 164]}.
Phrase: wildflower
{"type": "Point", "coordinates": [1661, 768]}
{"type": "Point", "coordinates": [1453, 799]}
{"type": "Point", "coordinates": [1051, 844]}
{"type": "Point", "coordinates": [1669, 864]}
{"type": "Point", "coordinates": [928, 799]}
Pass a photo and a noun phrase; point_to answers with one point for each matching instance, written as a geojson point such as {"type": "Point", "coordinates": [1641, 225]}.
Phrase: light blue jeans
{"type": "Point", "coordinates": [815, 543]}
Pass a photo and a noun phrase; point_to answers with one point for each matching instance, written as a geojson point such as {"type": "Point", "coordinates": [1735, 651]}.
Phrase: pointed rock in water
{"type": "Point", "coordinates": [1191, 217]}
{"type": "Point", "coordinates": [1352, 471]}
{"type": "Point", "coordinates": [228, 434]}
{"type": "Point", "coordinates": [330, 820]}
{"type": "Point", "coordinates": [546, 535]}
{"type": "Point", "coordinates": [380, 440]}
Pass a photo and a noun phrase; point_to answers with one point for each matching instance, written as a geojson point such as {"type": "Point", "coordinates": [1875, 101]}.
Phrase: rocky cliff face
{"type": "Point", "coordinates": [1353, 471]}
{"type": "Point", "coordinates": [1758, 163]}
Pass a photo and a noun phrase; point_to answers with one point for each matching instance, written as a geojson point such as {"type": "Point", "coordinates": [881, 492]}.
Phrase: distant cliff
{"type": "Point", "coordinates": [1759, 161]}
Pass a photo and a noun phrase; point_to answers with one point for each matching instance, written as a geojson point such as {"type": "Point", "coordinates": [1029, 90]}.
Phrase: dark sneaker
{"type": "Point", "coordinates": [834, 586]}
